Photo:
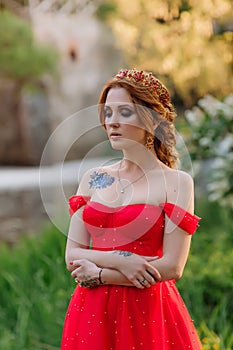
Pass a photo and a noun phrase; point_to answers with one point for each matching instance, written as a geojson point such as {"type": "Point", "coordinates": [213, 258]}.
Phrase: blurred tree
{"type": "Point", "coordinates": [19, 7]}
{"type": "Point", "coordinates": [64, 6]}
{"type": "Point", "coordinates": [187, 43]}
{"type": "Point", "coordinates": [211, 139]}
{"type": "Point", "coordinates": [21, 62]}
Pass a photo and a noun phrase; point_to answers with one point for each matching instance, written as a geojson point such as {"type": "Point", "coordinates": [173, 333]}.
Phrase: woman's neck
{"type": "Point", "coordinates": [142, 158]}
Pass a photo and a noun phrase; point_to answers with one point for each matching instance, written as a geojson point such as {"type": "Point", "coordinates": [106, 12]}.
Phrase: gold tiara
{"type": "Point", "coordinates": [145, 79]}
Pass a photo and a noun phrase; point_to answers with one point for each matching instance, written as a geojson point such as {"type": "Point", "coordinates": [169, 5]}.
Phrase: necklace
{"type": "Point", "coordinates": [132, 182]}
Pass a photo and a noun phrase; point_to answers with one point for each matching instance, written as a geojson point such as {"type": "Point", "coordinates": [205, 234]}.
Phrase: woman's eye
{"type": "Point", "coordinates": [126, 112]}
{"type": "Point", "coordinates": [107, 113]}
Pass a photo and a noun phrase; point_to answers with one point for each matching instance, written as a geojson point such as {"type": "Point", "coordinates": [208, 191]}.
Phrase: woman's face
{"type": "Point", "coordinates": [121, 120]}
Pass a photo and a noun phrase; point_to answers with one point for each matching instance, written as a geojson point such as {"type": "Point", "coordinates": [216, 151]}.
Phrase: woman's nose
{"type": "Point", "coordinates": [114, 120]}
{"type": "Point", "coordinates": [114, 124]}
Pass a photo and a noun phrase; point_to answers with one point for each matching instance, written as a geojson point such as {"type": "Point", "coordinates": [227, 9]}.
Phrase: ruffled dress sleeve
{"type": "Point", "coordinates": [76, 202]}
{"type": "Point", "coordinates": [182, 218]}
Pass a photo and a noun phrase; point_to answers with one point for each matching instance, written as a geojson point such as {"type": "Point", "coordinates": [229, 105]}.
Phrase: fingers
{"type": "Point", "coordinates": [78, 265]}
{"type": "Point", "coordinates": [154, 273]}
{"type": "Point", "coordinates": [138, 284]}
{"type": "Point", "coordinates": [146, 280]}
{"type": "Point", "coordinates": [143, 282]}
{"type": "Point", "coordinates": [74, 272]}
{"type": "Point", "coordinates": [77, 262]}
{"type": "Point", "coordinates": [150, 278]}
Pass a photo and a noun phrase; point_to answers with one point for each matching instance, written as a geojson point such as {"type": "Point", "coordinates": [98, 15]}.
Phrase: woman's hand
{"type": "Point", "coordinates": [87, 273]}
{"type": "Point", "coordinates": [135, 268]}
{"type": "Point", "coordinates": [138, 270]}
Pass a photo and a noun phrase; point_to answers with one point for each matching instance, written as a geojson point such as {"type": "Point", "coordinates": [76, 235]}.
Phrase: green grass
{"type": "Point", "coordinates": [36, 288]}
{"type": "Point", "coordinates": [207, 283]}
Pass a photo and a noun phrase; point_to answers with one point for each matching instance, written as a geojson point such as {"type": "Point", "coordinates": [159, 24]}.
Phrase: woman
{"type": "Point", "coordinates": [137, 216]}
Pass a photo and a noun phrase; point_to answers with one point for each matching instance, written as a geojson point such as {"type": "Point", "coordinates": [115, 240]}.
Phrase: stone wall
{"type": "Point", "coordinates": [33, 197]}
{"type": "Point", "coordinates": [88, 57]}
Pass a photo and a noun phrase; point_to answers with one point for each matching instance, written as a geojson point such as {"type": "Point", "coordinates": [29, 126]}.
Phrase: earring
{"type": "Point", "coordinates": [149, 142]}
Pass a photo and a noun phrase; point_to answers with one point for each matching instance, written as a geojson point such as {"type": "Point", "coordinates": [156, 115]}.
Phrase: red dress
{"type": "Point", "coordinates": [113, 317]}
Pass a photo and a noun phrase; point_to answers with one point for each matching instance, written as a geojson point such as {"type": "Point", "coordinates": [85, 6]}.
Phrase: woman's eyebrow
{"type": "Point", "coordinates": [126, 105]}
{"type": "Point", "coordinates": [118, 105]}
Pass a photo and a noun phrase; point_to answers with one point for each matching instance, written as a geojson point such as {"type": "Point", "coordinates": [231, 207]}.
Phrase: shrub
{"type": "Point", "coordinates": [35, 290]}
{"type": "Point", "coordinates": [211, 130]}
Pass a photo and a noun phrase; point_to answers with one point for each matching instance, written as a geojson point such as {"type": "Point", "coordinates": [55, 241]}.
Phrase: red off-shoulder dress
{"type": "Point", "coordinates": [110, 317]}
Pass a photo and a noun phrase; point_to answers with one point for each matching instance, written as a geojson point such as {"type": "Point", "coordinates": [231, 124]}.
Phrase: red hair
{"type": "Point", "coordinates": [149, 108]}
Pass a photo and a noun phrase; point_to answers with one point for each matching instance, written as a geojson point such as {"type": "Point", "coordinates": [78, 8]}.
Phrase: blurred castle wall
{"type": "Point", "coordinates": [88, 58]}
{"type": "Point", "coordinates": [33, 197]}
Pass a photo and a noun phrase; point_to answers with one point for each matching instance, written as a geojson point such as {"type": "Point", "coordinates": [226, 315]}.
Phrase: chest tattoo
{"type": "Point", "coordinates": [101, 180]}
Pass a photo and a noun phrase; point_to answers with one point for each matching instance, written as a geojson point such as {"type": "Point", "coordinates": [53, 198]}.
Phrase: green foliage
{"type": "Point", "coordinates": [211, 136]}
{"type": "Point", "coordinates": [105, 9]}
{"type": "Point", "coordinates": [180, 41]}
{"type": "Point", "coordinates": [36, 288]}
{"type": "Point", "coordinates": [21, 58]}
{"type": "Point", "coordinates": [207, 283]}
{"type": "Point", "coordinates": [211, 127]}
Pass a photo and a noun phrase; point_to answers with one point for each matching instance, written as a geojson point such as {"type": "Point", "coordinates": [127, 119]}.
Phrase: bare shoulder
{"type": "Point", "coordinates": [178, 176]}
{"type": "Point", "coordinates": [185, 179]}
{"type": "Point", "coordinates": [180, 188]}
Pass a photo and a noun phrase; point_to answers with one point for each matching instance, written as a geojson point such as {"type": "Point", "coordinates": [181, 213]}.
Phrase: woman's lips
{"type": "Point", "coordinates": [115, 135]}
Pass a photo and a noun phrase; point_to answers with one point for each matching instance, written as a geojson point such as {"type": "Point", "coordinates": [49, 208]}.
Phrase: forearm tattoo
{"type": "Point", "coordinates": [101, 180]}
{"type": "Point", "coordinates": [122, 252]}
{"type": "Point", "coordinates": [90, 282]}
